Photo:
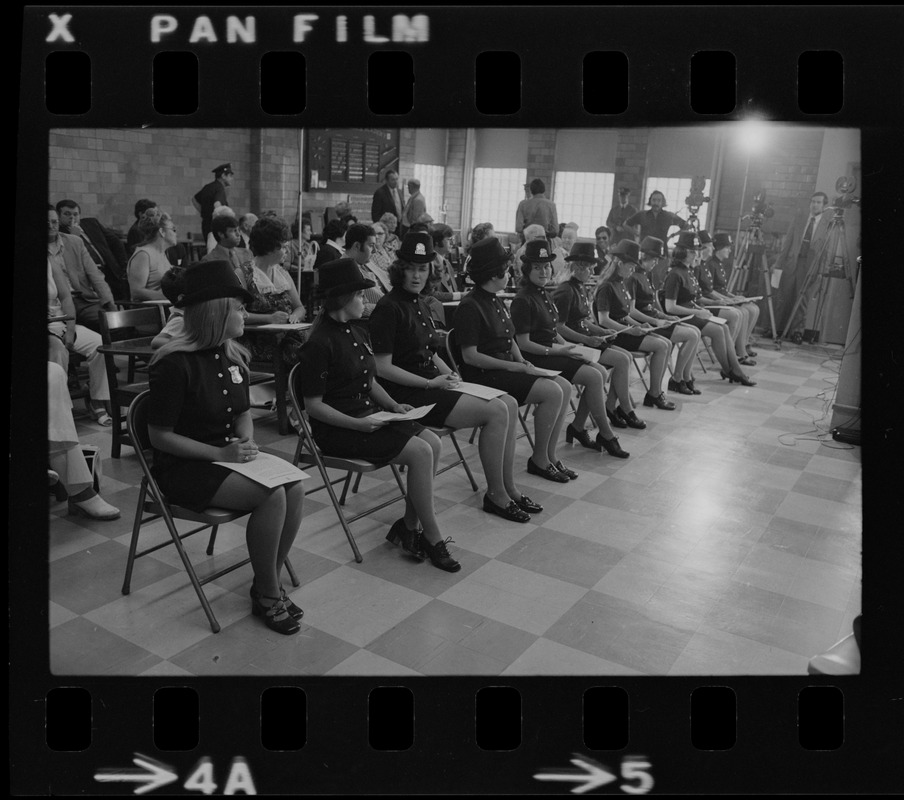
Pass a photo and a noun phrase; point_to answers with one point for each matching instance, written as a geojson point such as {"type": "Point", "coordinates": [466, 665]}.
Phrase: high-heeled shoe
{"type": "Point", "coordinates": [100, 416]}
{"type": "Point", "coordinates": [439, 555]}
{"type": "Point", "coordinates": [611, 446]}
{"type": "Point", "coordinates": [94, 507]}
{"type": "Point", "coordinates": [56, 486]}
{"type": "Point", "coordinates": [568, 473]}
{"type": "Point", "coordinates": [658, 402]}
{"type": "Point", "coordinates": [511, 512]}
{"type": "Point", "coordinates": [296, 612]}
{"type": "Point", "coordinates": [550, 472]}
{"type": "Point", "coordinates": [276, 617]}
{"type": "Point", "coordinates": [528, 505]}
{"type": "Point", "coordinates": [583, 437]}
{"type": "Point", "coordinates": [410, 541]}
{"type": "Point", "coordinates": [733, 377]}
{"type": "Point", "coordinates": [615, 420]}
{"type": "Point", "coordinates": [746, 361]}
{"type": "Point", "coordinates": [631, 419]}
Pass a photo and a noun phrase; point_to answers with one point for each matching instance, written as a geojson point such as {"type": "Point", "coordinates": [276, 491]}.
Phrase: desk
{"type": "Point", "coordinates": [277, 367]}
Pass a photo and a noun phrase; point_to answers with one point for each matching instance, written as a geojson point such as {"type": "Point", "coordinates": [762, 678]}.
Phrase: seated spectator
{"type": "Point", "coordinates": [274, 298]}
{"type": "Point", "coordinates": [89, 291]}
{"type": "Point", "coordinates": [68, 466]}
{"type": "Point", "coordinates": [560, 271]}
{"type": "Point", "coordinates": [359, 241]}
{"type": "Point", "coordinates": [531, 233]}
{"type": "Point", "coordinates": [102, 243]}
{"type": "Point", "coordinates": [446, 285]}
{"type": "Point", "coordinates": [225, 229]}
{"type": "Point", "coordinates": [381, 257]}
{"type": "Point", "coordinates": [246, 223]}
{"type": "Point", "coordinates": [68, 336]}
{"type": "Point", "coordinates": [171, 284]}
{"type": "Point", "coordinates": [144, 209]}
{"type": "Point", "coordinates": [333, 246]}
{"type": "Point", "coordinates": [393, 242]}
{"type": "Point", "coordinates": [149, 263]}
{"type": "Point", "coordinates": [481, 231]}
{"type": "Point", "coordinates": [219, 211]}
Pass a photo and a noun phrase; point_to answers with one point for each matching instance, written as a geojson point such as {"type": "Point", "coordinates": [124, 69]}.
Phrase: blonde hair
{"type": "Point", "coordinates": [205, 328]}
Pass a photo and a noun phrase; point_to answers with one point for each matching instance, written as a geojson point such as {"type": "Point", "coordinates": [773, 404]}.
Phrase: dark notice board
{"type": "Point", "coordinates": [349, 159]}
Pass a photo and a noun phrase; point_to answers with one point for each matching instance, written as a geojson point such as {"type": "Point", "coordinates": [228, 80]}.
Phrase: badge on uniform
{"type": "Point", "coordinates": [236, 374]}
{"type": "Point", "coordinates": [368, 347]}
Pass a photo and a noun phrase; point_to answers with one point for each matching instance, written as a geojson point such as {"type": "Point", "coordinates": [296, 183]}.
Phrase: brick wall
{"type": "Point", "coordinates": [786, 169]}
{"type": "Point", "coordinates": [630, 163]}
{"type": "Point", "coordinates": [455, 168]}
{"type": "Point", "coordinates": [541, 156]}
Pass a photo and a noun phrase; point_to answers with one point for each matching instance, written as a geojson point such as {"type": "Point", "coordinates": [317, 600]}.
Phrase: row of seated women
{"type": "Point", "coordinates": [199, 411]}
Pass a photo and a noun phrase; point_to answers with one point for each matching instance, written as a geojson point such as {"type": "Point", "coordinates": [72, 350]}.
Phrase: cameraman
{"type": "Point", "coordinates": [802, 242]}
{"type": "Point", "coordinates": [656, 223]}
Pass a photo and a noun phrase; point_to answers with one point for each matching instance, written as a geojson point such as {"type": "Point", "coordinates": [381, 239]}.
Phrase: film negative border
{"type": "Point", "coordinates": [445, 754]}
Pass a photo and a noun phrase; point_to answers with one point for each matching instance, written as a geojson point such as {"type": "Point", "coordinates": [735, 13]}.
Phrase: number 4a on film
{"type": "Point", "coordinates": [151, 774]}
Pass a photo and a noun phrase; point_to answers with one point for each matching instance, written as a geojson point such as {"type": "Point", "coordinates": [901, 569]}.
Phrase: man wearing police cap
{"type": "Point", "coordinates": [213, 195]}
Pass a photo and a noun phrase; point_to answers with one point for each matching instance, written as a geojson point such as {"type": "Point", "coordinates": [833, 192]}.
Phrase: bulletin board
{"type": "Point", "coordinates": [349, 160]}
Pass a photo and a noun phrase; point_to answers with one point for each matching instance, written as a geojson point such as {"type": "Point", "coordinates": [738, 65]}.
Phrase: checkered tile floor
{"type": "Point", "coordinates": [727, 544]}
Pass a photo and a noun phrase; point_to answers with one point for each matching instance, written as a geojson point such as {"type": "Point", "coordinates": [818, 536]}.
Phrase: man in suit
{"type": "Point", "coordinates": [226, 231]}
{"type": "Point", "coordinates": [803, 241]}
{"type": "Point", "coordinates": [617, 216]}
{"type": "Point", "coordinates": [388, 198]}
{"type": "Point", "coordinates": [416, 206]}
{"type": "Point", "coordinates": [90, 292]}
{"type": "Point", "coordinates": [103, 245]}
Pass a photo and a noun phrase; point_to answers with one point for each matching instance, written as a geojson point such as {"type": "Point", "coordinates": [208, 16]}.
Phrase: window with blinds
{"type": "Point", "coordinates": [497, 192]}
{"type": "Point", "coordinates": [584, 198]}
{"type": "Point", "coordinates": [675, 191]}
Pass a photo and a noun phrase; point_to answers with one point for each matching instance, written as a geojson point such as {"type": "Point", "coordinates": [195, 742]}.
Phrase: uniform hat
{"type": "Point", "coordinates": [626, 250]}
{"type": "Point", "coordinates": [688, 240]}
{"type": "Point", "coordinates": [721, 240]}
{"type": "Point", "coordinates": [339, 277]}
{"type": "Point", "coordinates": [705, 238]}
{"type": "Point", "coordinates": [624, 190]}
{"type": "Point", "coordinates": [208, 280]}
{"type": "Point", "coordinates": [416, 248]}
{"type": "Point", "coordinates": [485, 256]}
{"type": "Point", "coordinates": [538, 251]}
{"type": "Point", "coordinates": [227, 167]}
{"type": "Point", "coordinates": [652, 246]}
{"type": "Point", "coordinates": [583, 251]}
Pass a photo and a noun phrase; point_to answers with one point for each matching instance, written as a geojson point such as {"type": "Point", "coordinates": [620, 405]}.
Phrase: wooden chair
{"type": "Point", "coordinates": [119, 326]}
{"type": "Point", "coordinates": [152, 505]}
{"type": "Point", "coordinates": [308, 453]}
{"type": "Point", "coordinates": [453, 352]}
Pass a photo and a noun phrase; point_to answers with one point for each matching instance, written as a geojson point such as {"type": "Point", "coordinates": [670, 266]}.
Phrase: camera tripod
{"type": "Point", "coordinates": [831, 261]}
{"type": "Point", "coordinates": [752, 259]}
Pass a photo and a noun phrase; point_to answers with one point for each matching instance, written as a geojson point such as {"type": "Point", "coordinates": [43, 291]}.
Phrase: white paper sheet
{"type": "Point", "coordinates": [267, 469]}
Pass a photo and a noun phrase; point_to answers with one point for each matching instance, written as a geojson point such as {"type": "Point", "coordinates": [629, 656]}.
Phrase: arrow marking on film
{"type": "Point", "coordinates": [152, 774]}
{"type": "Point", "coordinates": [589, 773]}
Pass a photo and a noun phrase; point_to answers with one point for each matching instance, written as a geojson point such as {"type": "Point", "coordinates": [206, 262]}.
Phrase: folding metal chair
{"type": "Point", "coordinates": [307, 452]}
{"type": "Point", "coordinates": [152, 505]}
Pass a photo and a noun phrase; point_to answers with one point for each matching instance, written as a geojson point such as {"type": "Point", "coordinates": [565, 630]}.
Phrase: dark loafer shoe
{"type": "Point", "coordinates": [550, 472]}
{"type": "Point", "coordinates": [511, 512]}
{"type": "Point", "coordinates": [528, 505]}
{"type": "Point", "coordinates": [615, 420]}
{"type": "Point", "coordinates": [568, 473]}
{"type": "Point", "coordinates": [658, 402]}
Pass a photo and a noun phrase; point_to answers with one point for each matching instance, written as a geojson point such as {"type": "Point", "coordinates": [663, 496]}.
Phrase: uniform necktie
{"type": "Point", "coordinates": [805, 242]}
{"type": "Point", "coordinates": [92, 251]}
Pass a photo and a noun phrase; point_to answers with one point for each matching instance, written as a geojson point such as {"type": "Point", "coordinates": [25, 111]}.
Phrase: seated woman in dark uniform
{"type": "Point", "coordinates": [577, 325]}
{"type": "Point", "coordinates": [489, 355]}
{"type": "Point", "coordinates": [680, 292]}
{"type": "Point", "coordinates": [714, 285]}
{"type": "Point", "coordinates": [199, 413]}
{"type": "Point", "coordinates": [647, 309]}
{"type": "Point", "coordinates": [535, 319]}
{"type": "Point", "coordinates": [406, 345]}
{"type": "Point", "coordinates": [338, 375]}
{"type": "Point", "coordinates": [614, 305]}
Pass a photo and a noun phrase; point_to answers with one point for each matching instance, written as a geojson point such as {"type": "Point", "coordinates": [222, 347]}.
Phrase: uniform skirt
{"type": "Point", "coordinates": [565, 364]}
{"type": "Point", "coordinates": [443, 401]}
{"type": "Point", "coordinates": [517, 384]}
{"type": "Point", "coordinates": [384, 444]}
{"type": "Point", "coordinates": [627, 341]}
{"type": "Point", "coordinates": [190, 483]}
